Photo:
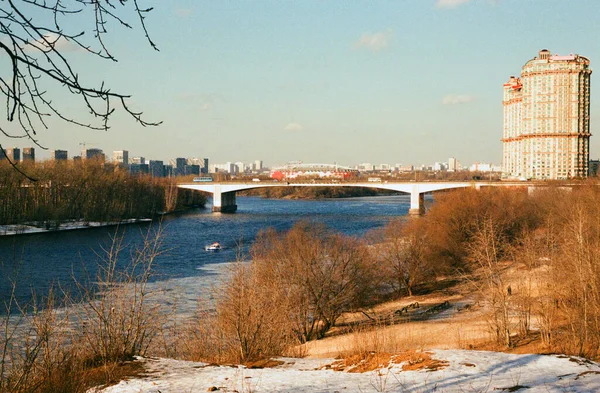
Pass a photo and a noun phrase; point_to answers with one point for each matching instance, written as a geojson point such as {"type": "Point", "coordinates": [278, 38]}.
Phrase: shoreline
{"type": "Point", "coordinates": [26, 229]}
{"type": "Point", "coordinates": [71, 225]}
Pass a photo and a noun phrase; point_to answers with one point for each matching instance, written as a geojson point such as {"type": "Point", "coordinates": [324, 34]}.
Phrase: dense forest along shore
{"type": "Point", "coordinates": [73, 195]}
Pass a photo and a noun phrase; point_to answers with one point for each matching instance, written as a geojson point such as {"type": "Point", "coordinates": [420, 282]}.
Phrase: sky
{"type": "Point", "coordinates": [404, 81]}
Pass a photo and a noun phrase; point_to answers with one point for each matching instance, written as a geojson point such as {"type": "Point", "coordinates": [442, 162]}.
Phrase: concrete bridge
{"type": "Point", "coordinates": [224, 193]}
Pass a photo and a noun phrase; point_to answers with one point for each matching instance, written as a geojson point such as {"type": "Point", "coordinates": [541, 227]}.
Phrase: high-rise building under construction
{"type": "Point", "coordinates": [547, 119]}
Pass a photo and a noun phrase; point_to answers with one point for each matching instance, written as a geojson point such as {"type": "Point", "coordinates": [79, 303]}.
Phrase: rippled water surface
{"type": "Point", "coordinates": [41, 259]}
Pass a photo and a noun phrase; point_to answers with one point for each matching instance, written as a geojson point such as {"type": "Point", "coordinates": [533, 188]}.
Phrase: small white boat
{"type": "Point", "coordinates": [213, 247]}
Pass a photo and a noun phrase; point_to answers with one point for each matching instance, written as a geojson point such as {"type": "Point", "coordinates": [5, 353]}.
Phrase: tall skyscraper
{"type": "Point", "coordinates": [547, 119]}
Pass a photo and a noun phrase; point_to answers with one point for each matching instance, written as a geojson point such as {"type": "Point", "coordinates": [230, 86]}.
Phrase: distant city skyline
{"type": "Point", "coordinates": [122, 157]}
{"type": "Point", "coordinates": [395, 82]}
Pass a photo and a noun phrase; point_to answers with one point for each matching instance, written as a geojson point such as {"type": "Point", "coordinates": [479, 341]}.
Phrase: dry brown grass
{"type": "Point", "coordinates": [463, 330]}
{"type": "Point", "coordinates": [264, 363]}
{"type": "Point", "coordinates": [419, 360]}
{"type": "Point", "coordinates": [411, 361]}
{"type": "Point", "coordinates": [112, 373]}
{"type": "Point", "coordinates": [361, 363]}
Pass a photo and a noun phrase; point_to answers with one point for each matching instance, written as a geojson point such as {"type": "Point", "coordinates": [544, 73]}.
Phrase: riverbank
{"type": "Point", "coordinates": [35, 228]}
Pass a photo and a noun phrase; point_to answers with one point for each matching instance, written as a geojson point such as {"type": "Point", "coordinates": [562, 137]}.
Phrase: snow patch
{"type": "Point", "coordinates": [468, 371]}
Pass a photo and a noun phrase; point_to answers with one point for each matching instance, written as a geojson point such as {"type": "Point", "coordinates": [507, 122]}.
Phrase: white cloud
{"type": "Point", "coordinates": [293, 127]}
{"type": "Point", "coordinates": [58, 42]}
{"type": "Point", "coordinates": [183, 12]}
{"type": "Point", "coordinates": [456, 99]}
{"type": "Point", "coordinates": [450, 3]}
{"type": "Point", "coordinates": [374, 41]}
{"type": "Point", "coordinates": [206, 107]}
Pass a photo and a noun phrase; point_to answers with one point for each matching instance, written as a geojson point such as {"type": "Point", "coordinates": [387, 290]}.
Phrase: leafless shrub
{"type": "Point", "coordinates": [404, 256]}
{"type": "Point", "coordinates": [486, 250]}
{"type": "Point", "coordinates": [68, 344]}
{"type": "Point", "coordinates": [121, 321]}
{"type": "Point", "coordinates": [295, 288]}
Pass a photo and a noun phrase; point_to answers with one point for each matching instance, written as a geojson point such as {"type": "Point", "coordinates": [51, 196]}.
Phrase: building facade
{"type": "Point", "coordinates": [13, 154]}
{"type": "Point", "coordinates": [59, 155]}
{"type": "Point", "coordinates": [94, 154]}
{"type": "Point", "coordinates": [547, 119]}
{"type": "Point", "coordinates": [121, 157]}
{"type": "Point", "coordinates": [29, 154]}
{"type": "Point", "coordinates": [156, 168]}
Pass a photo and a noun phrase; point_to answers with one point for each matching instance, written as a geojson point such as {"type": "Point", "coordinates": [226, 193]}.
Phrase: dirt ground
{"type": "Point", "coordinates": [447, 318]}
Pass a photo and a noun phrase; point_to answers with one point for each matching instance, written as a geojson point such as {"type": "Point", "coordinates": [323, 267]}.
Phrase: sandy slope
{"type": "Point", "coordinates": [468, 371]}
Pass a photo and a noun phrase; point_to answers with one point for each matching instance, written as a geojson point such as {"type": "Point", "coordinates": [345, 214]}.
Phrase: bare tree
{"type": "Point", "coordinates": [486, 250]}
{"type": "Point", "coordinates": [404, 255]}
{"type": "Point", "coordinates": [34, 36]}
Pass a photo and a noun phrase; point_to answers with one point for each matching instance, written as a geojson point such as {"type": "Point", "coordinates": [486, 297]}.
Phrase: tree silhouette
{"type": "Point", "coordinates": [34, 35]}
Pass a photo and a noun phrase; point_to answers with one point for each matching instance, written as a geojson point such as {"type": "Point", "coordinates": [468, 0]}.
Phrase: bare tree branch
{"type": "Point", "coordinates": [33, 37]}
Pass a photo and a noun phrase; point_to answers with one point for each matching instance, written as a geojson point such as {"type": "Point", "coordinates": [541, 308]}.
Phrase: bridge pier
{"type": "Point", "coordinates": [224, 202]}
{"type": "Point", "coordinates": [417, 205]}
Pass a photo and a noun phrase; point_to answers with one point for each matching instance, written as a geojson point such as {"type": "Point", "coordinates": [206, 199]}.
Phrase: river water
{"type": "Point", "coordinates": [39, 260]}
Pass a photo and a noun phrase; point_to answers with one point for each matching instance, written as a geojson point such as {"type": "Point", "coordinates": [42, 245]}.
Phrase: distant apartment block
{"type": "Point", "coordinates": [196, 166]}
{"type": "Point", "coordinates": [121, 157]}
{"type": "Point", "coordinates": [13, 154]}
{"type": "Point", "coordinates": [366, 167]}
{"type": "Point", "coordinates": [156, 168]}
{"type": "Point", "coordinates": [59, 155]}
{"type": "Point", "coordinates": [452, 164]}
{"type": "Point", "coordinates": [139, 169]}
{"type": "Point", "coordinates": [192, 169]}
{"type": "Point", "coordinates": [168, 170]}
{"type": "Point", "coordinates": [94, 154]}
{"type": "Point", "coordinates": [484, 167]}
{"type": "Point", "coordinates": [405, 168]}
{"type": "Point", "coordinates": [179, 166]}
{"type": "Point", "coordinates": [547, 118]}
{"type": "Point", "coordinates": [29, 154]}
{"type": "Point", "coordinates": [594, 168]}
{"type": "Point", "coordinates": [438, 167]}
{"type": "Point", "coordinates": [137, 160]}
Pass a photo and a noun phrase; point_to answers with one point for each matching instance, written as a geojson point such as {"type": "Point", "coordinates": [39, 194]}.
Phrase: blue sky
{"type": "Point", "coordinates": [405, 81]}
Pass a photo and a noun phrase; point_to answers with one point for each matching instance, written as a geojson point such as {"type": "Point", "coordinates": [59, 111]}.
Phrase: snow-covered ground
{"type": "Point", "coordinates": [467, 372]}
{"type": "Point", "coordinates": [9, 230]}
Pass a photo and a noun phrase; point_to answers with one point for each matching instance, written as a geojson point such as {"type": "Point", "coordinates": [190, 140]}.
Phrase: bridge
{"type": "Point", "coordinates": [224, 199]}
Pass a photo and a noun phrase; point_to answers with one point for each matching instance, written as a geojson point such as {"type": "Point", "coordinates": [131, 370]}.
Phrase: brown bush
{"type": "Point", "coordinates": [404, 255]}
{"type": "Point", "coordinates": [456, 216]}
{"type": "Point", "coordinates": [295, 288]}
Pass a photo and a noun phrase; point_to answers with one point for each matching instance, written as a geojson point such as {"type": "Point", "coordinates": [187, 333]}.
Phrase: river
{"type": "Point", "coordinates": [39, 260]}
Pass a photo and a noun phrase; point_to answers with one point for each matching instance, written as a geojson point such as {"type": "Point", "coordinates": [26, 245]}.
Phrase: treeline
{"type": "Point", "coordinates": [87, 191]}
{"type": "Point", "coordinates": [533, 259]}
{"type": "Point", "coordinates": [314, 192]}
